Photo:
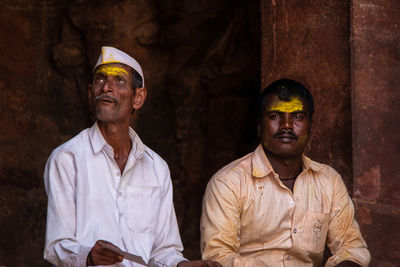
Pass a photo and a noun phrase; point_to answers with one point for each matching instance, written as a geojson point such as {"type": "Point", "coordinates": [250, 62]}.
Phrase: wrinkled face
{"type": "Point", "coordinates": [111, 93]}
{"type": "Point", "coordinates": [284, 127]}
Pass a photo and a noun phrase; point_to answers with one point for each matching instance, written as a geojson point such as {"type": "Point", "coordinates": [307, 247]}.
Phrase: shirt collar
{"type": "Point", "coordinates": [99, 143]}
{"type": "Point", "coordinates": [310, 164]}
{"type": "Point", "coordinates": [261, 166]}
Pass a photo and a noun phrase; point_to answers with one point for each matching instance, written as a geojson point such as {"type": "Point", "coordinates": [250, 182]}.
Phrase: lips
{"type": "Point", "coordinates": [286, 137]}
{"type": "Point", "coordinates": [105, 99]}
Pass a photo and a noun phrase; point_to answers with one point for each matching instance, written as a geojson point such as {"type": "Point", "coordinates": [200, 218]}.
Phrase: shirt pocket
{"type": "Point", "coordinates": [315, 231]}
{"type": "Point", "coordinates": [140, 208]}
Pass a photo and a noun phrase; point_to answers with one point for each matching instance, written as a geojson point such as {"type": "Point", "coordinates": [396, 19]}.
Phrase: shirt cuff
{"type": "Point", "coordinates": [176, 261]}
{"type": "Point", "coordinates": [82, 257]}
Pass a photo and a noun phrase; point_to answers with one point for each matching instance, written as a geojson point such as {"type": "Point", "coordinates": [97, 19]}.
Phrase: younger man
{"type": "Point", "coordinates": [275, 206]}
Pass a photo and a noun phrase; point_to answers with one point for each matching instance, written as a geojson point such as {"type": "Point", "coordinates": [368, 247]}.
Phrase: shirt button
{"type": "Point", "coordinates": [294, 230]}
{"type": "Point", "coordinates": [120, 214]}
{"type": "Point", "coordinates": [288, 257]}
{"type": "Point", "coordinates": [120, 194]}
{"type": "Point", "coordinates": [291, 202]}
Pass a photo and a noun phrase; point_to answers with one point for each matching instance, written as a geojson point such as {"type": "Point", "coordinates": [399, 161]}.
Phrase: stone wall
{"type": "Point", "coordinates": [202, 67]}
{"type": "Point", "coordinates": [347, 53]}
{"type": "Point", "coordinates": [375, 38]}
{"type": "Point", "coordinates": [309, 42]}
{"type": "Point", "coordinates": [201, 61]}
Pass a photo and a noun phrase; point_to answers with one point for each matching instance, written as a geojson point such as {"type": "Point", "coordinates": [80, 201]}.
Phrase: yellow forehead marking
{"type": "Point", "coordinates": [294, 105]}
{"type": "Point", "coordinates": [112, 70]}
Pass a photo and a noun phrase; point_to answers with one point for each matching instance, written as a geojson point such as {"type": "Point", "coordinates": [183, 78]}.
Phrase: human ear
{"type": "Point", "coordinates": [90, 86]}
{"type": "Point", "coordinates": [139, 97]}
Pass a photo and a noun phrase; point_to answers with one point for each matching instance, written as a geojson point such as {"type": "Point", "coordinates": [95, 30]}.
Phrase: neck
{"type": "Point", "coordinates": [286, 168]}
{"type": "Point", "coordinates": [117, 136]}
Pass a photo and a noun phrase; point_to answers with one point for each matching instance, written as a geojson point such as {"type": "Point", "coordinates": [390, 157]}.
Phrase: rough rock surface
{"type": "Point", "coordinates": [376, 143]}
{"type": "Point", "coordinates": [201, 65]}
{"type": "Point", "coordinates": [308, 42]}
{"type": "Point", "coordinates": [353, 73]}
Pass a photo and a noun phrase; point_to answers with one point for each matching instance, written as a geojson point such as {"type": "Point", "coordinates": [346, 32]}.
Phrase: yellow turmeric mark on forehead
{"type": "Point", "coordinates": [112, 70]}
{"type": "Point", "coordinates": [294, 105]}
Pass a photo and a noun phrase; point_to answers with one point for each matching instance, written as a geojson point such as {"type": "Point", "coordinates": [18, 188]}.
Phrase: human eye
{"type": "Point", "coordinates": [298, 116]}
{"type": "Point", "coordinates": [99, 79]}
{"type": "Point", "coordinates": [120, 81]}
{"type": "Point", "coordinates": [273, 116]}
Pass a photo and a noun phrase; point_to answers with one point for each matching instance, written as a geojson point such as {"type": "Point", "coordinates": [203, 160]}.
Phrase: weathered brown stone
{"type": "Point", "coordinates": [369, 185]}
{"type": "Point", "coordinates": [378, 223]}
{"type": "Point", "coordinates": [201, 67]}
{"type": "Point", "coordinates": [201, 61]}
{"type": "Point", "coordinates": [375, 70]}
{"type": "Point", "coordinates": [308, 42]}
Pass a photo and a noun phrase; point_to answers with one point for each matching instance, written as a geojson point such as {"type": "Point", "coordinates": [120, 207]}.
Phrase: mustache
{"type": "Point", "coordinates": [286, 133]}
{"type": "Point", "coordinates": [101, 97]}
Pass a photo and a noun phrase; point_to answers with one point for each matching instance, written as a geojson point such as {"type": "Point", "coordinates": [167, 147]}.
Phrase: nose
{"type": "Point", "coordinates": [286, 122]}
{"type": "Point", "coordinates": [107, 87]}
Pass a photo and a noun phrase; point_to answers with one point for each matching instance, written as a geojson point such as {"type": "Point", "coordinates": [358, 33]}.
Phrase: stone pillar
{"type": "Point", "coordinates": [309, 42]}
{"type": "Point", "coordinates": [357, 94]}
{"type": "Point", "coordinates": [375, 54]}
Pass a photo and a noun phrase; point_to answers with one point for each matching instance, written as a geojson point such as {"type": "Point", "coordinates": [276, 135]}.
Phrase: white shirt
{"type": "Point", "coordinates": [89, 199]}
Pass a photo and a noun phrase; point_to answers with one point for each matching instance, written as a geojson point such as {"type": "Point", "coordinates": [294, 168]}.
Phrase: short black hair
{"type": "Point", "coordinates": [137, 79]}
{"type": "Point", "coordinates": [285, 89]}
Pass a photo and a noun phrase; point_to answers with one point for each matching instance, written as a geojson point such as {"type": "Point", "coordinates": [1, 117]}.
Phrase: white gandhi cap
{"type": "Point", "coordinates": [112, 55]}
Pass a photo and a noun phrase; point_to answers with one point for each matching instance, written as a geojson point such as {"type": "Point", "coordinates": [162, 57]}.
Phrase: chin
{"type": "Point", "coordinates": [105, 116]}
{"type": "Point", "coordinates": [290, 156]}
{"type": "Point", "coordinates": [282, 153]}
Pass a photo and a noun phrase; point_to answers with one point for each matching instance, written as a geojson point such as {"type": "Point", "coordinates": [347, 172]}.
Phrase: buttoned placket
{"type": "Point", "coordinates": [292, 205]}
{"type": "Point", "coordinates": [120, 194]}
{"type": "Point", "coordinates": [116, 180]}
{"type": "Point", "coordinates": [122, 182]}
{"type": "Point", "coordinates": [298, 217]}
{"type": "Point", "coordinates": [120, 198]}
{"type": "Point", "coordinates": [288, 260]}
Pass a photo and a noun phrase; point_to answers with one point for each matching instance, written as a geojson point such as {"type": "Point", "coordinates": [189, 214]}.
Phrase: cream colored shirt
{"type": "Point", "coordinates": [249, 218]}
{"type": "Point", "coordinates": [90, 199]}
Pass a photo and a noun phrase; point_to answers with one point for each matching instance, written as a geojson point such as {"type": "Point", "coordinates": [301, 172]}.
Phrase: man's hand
{"type": "Point", "coordinates": [199, 264]}
{"type": "Point", "coordinates": [99, 255]}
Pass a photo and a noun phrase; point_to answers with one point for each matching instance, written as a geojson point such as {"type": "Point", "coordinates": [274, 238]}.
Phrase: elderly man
{"type": "Point", "coordinates": [109, 195]}
{"type": "Point", "coordinates": [276, 207]}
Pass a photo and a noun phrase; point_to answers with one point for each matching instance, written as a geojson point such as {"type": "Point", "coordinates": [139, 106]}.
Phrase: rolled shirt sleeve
{"type": "Point", "coordinates": [220, 222]}
{"type": "Point", "coordinates": [61, 246]}
{"type": "Point", "coordinates": [344, 237]}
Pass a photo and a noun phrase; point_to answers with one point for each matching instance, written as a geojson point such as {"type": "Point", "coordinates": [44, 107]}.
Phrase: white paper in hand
{"type": "Point", "coordinates": [126, 255]}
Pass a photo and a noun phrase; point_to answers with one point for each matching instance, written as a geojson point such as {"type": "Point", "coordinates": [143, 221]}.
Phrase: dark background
{"type": "Point", "coordinates": [204, 64]}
